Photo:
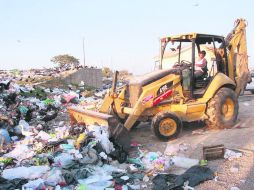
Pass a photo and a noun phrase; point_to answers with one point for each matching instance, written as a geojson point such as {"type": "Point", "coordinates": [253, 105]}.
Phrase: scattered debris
{"type": "Point", "coordinates": [40, 150]}
{"type": "Point", "coordinates": [234, 188]}
{"type": "Point", "coordinates": [246, 104]}
{"type": "Point", "coordinates": [199, 132]}
{"type": "Point", "coordinates": [213, 152]}
{"type": "Point", "coordinates": [230, 154]}
{"type": "Point", "coordinates": [193, 175]}
{"type": "Point", "coordinates": [184, 162]}
{"type": "Point", "coordinates": [234, 169]}
{"type": "Point", "coordinates": [175, 149]}
{"type": "Point", "coordinates": [32, 172]}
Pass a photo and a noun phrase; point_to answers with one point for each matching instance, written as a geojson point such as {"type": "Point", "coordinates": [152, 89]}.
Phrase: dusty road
{"type": "Point", "coordinates": [241, 137]}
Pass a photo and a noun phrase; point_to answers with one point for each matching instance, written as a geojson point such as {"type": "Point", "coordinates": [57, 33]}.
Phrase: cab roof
{"type": "Point", "coordinates": [188, 37]}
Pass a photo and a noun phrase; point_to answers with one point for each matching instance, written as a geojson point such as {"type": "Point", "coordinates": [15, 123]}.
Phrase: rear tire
{"type": "Point", "coordinates": [252, 92]}
{"type": "Point", "coordinates": [222, 109]}
{"type": "Point", "coordinates": [166, 125]}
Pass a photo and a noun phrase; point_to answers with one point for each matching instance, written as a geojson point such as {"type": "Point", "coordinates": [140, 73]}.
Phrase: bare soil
{"type": "Point", "coordinates": [239, 138]}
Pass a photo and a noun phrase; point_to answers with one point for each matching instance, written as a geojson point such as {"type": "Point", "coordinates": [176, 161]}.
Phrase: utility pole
{"type": "Point", "coordinates": [84, 52]}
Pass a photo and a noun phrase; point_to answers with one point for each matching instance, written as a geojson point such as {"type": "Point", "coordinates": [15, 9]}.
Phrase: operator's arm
{"type": "Point", "coordinates": [203, 64]}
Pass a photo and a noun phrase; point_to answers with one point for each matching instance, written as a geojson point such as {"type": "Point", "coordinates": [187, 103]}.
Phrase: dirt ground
{"type": "Point", "coordinates": [238, 138]}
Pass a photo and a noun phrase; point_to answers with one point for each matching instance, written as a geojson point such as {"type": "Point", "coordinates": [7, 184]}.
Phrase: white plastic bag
{"type": "Point", "coordinates": [54, 177]}
{"type": "Point", "coordinates": [102, 136]}
{"type": "Point", "coordinates": [97, 182]}
{"type": "Point", "coordinates": [62, 132]}
{"type": "Point", "coordinates": [184, 162]}
{"type": "Point", "coordinates": [20, 152]}
{"type": "Point", "coordinates": [35, 184]}
{"type": "Point", "coordinates": [230, 154]}
{"type": "Point", "coordinates": [32, 172]}
{"type": "Point", "coordinates": [175, 149]}
{"type": "Point", "coordinates": [63, 160]}
{"type": "Point", "coordinates": [171, 149]}
{"type": "Point", "coordinates": [43, 135]}
{"type": "Point", "coordinates": [23, 128]}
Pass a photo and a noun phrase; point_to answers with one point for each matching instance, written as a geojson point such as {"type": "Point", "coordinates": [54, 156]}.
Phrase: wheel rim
{"type": "Point", "coordinates": [228, 108]}
{"type": "Point", "coordinates": [167, 127]}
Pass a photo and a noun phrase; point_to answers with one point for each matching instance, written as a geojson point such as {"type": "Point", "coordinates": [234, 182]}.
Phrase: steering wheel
{"type": "Point", "coordinates": [186, 63]}
{"type": "Point", "coordinates": [177, 64]}
{"type": "Point", "coordinates": [183, 63]}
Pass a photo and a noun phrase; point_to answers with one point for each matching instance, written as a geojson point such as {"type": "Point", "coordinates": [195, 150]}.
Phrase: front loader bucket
{"type": "Point", "coordinates": [118, 133]}
{"type": "Point", "coordinates": [121, 136]}
{"type": "Point", "coordinates": [88, 117]}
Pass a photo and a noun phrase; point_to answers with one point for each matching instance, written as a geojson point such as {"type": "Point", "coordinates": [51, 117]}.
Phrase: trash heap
{"type": "Point", "coordinates": [40, 150]}
{"type": "Point", "coordinates": [38, 75]}
{"type": "Point", "coordinates": [38, 146]}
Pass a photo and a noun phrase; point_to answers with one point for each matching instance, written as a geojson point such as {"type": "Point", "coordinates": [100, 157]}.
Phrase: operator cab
{"type": "Point", "coordinates": [182, 52]}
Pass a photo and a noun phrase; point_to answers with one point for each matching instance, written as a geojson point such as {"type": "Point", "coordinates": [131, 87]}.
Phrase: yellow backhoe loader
{"type": "Point", "coordinates": [172, 94]}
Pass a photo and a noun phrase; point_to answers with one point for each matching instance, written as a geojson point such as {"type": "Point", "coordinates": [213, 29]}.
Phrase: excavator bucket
{"type": "Point", "coordinates": [237, 44]}
{"type": "Point", "coordinates": [118, 133]}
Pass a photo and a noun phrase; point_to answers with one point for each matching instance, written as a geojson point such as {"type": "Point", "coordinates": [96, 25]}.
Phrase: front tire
{"type": "Point", "coordinates": [222, 109]}
{"type": "Point", "coordinates": [166, 125]}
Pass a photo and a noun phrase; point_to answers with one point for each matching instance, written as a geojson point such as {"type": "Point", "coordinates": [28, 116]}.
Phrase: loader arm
{"type": "Point", "coordinates": [237, 56]}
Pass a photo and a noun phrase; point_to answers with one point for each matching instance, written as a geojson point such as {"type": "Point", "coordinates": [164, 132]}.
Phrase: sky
{"type": "Point", "coordinates": [120, 34]}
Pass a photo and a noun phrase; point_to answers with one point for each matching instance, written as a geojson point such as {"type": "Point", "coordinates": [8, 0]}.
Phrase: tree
{"type": "Point", "coordinates": [107, 72]}
{"type": "Point", "coordinates": [65, 60]}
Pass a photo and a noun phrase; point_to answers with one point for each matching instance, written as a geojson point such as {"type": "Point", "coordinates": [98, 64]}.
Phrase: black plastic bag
{"type": "Point", "coordinates": [195, 175]}
{"type": "Point", "coordinates": [12, 184]}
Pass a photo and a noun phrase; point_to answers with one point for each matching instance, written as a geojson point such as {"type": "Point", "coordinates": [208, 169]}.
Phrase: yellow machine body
{"type": "Point", "coordinates": [142, 98]}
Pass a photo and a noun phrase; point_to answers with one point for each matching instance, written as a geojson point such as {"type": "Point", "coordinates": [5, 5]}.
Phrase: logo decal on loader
{"type": "Point", "coordinates": [147, 99]}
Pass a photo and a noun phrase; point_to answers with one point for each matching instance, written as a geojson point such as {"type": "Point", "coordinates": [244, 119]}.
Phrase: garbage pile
{"type": "Point", "coordinates": [40, 150]}
{"type": "Point", "coordinates": [26, 110]}
{"type": "Point", "coordinates": [36, 139]}
{"type": "Point", "coordinates": [37, 75]}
